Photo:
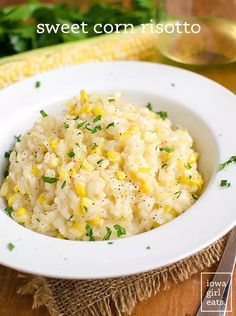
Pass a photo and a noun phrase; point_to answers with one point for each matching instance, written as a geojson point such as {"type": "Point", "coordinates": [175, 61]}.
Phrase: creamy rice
{"type": "Point", "coordinates": [102, 169]}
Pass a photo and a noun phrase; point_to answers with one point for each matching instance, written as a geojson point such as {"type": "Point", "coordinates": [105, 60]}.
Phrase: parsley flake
{"type": "Point", "coordinates": [9, 210]}
{"type": "Point", "coordinates": [63, 184]}
{"type": "Point", "coordinates": [163, 115]}
{"type": "Point", "coordinates": [77, 144]}
{"type": "Point", "coordinates": [37, 84]}
{"type": "Point", "coordinates": [81, 124]}
{"type": "Point", "coordinates": [99, 161]}
{"type": "Point", "coordinates": [11, 246]}
{"type": "Point", "coordinates": [71, 154]}
{"type": "Point", "coordinates": [224, 183]}
{"type": "Point", "coordinates": [110, 125]}
{"type": "Point", "coordinates": [7, 154]}
{"type": "Point", "coordinates": [166, 149]}
{"type": "Point", "coordinates": [149, 106]}
{"type": "Point", "coordinates": [43, 113]}
{"type": "Point", "coordinates": [66, 125]}
{"type": "Point", "coordinates": [89, 232]}
{"type": "Point", "coordinates": [97, 118]}
{"type": "Point", "coordinates": [188, 166]}
{"type": "Point", "coordinates": [232, 159]}
{"type": "Point", "coordinates": [120, 230]}
{"type": "Point", "coordinates": [18, 138]}
{"type": "Point", "coordinates": [108, 234]}
{"type": "Point", "coordinates": [178, 193]}
{"type": "Point", "coordinates": [49, 180]}
{"type": "Point", "coordinates": [195, 197]}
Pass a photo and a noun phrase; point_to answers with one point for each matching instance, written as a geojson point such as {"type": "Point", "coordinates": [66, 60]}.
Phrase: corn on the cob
{"type": "Point", "coordinates": [135, 46]}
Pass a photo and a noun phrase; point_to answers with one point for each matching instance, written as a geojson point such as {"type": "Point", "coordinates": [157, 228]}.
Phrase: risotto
{"type": "Point", "coordinates": [101, 170]}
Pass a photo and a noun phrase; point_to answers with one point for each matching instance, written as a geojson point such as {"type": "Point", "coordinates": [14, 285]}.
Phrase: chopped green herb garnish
{"type": "Point", "coordinates": [108, 234]}
{"type": "Point", "coordinates": [9, 210]}
{"type": "Point", "coordinates": [111, 100]}
{"type": "Point", "coordinates": [89, 232]}
{"type": "Point", "coordinates": [163, 115]}
{"type": "Point", "coordinates": [11, 246]}
{"type": "Point", "coordinates": [70, 217]}
{"type": "Point", "coordinates": [232, 159]}
{"type": "Point", "coordinates": [99, 161]}
{"type": "Point", "coordinates": [178, 193]}
{"type": "Point", "coordinates": [37, 84]}
{"type": "Point", "coordinates": [18, 138]}
{"type": "Point", "coordinates": [7, 154]}
{"type": "Point", "coordinates": [195, 197]}
{"type": "Point", "coordinates": [225, 183]}
{"type": "Point", "coordinates": [76, 118]}
{"type": "Point", "coordinates": [49, 180]}
{"type": "Point", "coordinates": [110, 125]}
{"type": "Point", "coordinates": [85, 208]}
{"type": "Point", "coordinates": [63, 184]}
{"type": "Point", "coordinates": [37, 219]}
{"type": "Point", "coordinates": [168, 150]}
{"type": "Point", "coordinates": [77, 144]}
{"type": "Point", "coordinates": [66, 125]}
{"type": "Point", "coordinates": [120, 230]}
{"type": "Point", "coordinates": [149, 106]}
{"type": "Point", "coordinates": [71, 154]}
{"type": "Point", "coordinates": [164, 165]}
{"type": "Point", "coordinates": [190, 177]}
{"type": "Point", "coordinates": [43, 113]}
{"type": "Point", "coordinates": [81, 124]}
{"type": "Point", "coordinates": [97, 118]}
{"type": "Point", "coordinates": [94, 129]}
{"type": "Point", "coordinates": [110, 242]}
{"type": "Point", "coordinates": [188, 166]}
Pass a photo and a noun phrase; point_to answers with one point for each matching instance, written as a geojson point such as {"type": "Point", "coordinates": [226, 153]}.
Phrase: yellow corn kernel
{"type": "Point", "coordinates": [94, 221]}
{"type": "Point", "coordinates": [16, 188]}
{"type": "Point", "coordinates": [42, 198]}
{"type": "Point", "coordinates": [87, 166]}
{"type": "Point", "coordinates": [155, 225]}
{"type": "Point", "coordinates": [35, 170]}
{"type": "Point", "coordinates": [72, 171]}
{"type": "Point", "coordinates": [180, 165]}
{"type": "Point", "coordinates": [85, 109]}
{"type": "Point", "coordinates": [167, 208]}
{"type": "Point", "coordinates": [113, 156]}
{"type": "Point", "coordinates": [4, 189]}
{"type": "Point", "coordinates": [54, 162]}
{"type": "Point", "coordinates": [120, 175]}
{"type": "Point", "coordinates": [76, 225]}
{"type": "Point", "coordinates": [59, 235]}
{"type": "Point", "coordinates": [63, 174]}
{"type": "Point", "coordinates": [193, 158]}
{"type": "Point", "coordinates": [145, 187]}
{"type": "Point", "coordinates": [71, 106]}
{"type": "Point", "coordinates": [21, 211]}
{"type": "Point", "coordinates": [128, 133]}
{"type": "Point", "coordinates": [98, 110]}
{"type": "Point", "coordinates": [85, 202]}
{"type": "Point", "coordinates": [83, 96]}
{"type": "Point", "coordinates": [54, 143]}
{"type": "Point", "coordinates": [80, 189]}
{"type": "Point", "coordinates": [11, 200]}
{"type": "Point", "coordinates": [165, 156]}
{"type": "Point", "coordinates": [144, 169]}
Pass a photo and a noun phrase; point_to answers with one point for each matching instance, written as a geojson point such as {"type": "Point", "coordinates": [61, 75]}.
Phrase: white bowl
{"type": "Point", "coordinates": [202, 106]}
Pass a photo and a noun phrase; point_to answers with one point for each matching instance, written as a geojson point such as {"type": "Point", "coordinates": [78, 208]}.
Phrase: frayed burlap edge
{"type": "Point", "coordinates": [121, 298]}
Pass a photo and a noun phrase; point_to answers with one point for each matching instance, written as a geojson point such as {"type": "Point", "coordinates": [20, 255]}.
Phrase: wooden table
{"type": "Point", "coordinates": [180, 300]}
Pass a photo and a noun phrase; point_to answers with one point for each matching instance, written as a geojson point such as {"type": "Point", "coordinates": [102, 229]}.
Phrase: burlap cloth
{"type": "Point", "coordinates": [108, 297]}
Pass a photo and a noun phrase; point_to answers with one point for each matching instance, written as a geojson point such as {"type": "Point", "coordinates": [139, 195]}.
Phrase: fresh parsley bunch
{"type": "Point", "coordinates": [18, 23]}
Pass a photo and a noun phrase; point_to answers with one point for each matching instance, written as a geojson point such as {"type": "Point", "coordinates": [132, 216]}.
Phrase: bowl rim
{"type": "Point", "coordinates": [83, 260]}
